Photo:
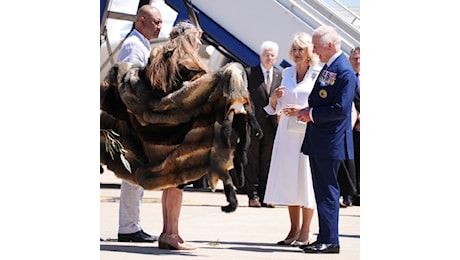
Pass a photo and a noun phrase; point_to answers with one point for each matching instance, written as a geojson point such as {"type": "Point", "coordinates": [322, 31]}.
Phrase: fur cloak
{"type": "Point", "coordinates": [201, 127]}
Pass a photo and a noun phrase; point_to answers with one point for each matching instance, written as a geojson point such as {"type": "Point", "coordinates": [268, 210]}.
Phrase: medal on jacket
{"type": "Point", "coordinates": [323, 93]}
{"type": "Point", "coordinates": [327, 77]}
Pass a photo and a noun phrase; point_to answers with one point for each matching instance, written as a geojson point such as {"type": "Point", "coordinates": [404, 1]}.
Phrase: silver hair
{"type": "Point", "coordinates": [269, 45]}
{"type": "Point", "coordinates": [328, 34]}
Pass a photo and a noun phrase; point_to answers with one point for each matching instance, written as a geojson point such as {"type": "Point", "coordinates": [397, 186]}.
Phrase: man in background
{"type": "Point", "coordinates": [136, 49]}
{"type": "Point", "coordinates": [262, 80]}
{"type": "Point", "coordinates": [355, 60]}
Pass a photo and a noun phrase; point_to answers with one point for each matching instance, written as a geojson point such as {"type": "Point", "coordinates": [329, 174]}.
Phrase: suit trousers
{"type": "Point", "coordinates": [327, 194]}
{"type": "Point", "coordinates": [256, 171]}
{"type": "Point", "coordinates": [129, 212]}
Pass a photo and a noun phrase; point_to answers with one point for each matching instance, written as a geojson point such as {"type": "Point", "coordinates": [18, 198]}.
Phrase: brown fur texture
{"type": "Point", "coordinates": [177, 134]}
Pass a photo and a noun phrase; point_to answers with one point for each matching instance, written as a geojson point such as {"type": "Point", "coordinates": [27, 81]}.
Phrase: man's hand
{"type": "Point", "coordinates": [304, 115]}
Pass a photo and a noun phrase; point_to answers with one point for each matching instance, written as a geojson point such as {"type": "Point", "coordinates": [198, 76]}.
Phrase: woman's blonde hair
{"type": "Point", "coordinates": [177, 61]}
{"type": "Point", "coordinates": [303, 40]}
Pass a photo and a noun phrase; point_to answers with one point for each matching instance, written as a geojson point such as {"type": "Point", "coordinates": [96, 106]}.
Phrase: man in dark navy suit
{"type": "Point", "coordinates": [329, 137]}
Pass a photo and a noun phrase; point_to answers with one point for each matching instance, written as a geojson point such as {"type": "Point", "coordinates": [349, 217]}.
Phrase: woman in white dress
{"type": "Point", "coordinates": [289, 178]}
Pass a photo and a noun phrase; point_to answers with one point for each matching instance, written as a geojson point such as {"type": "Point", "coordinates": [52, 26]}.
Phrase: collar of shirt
{"type": "Point", "coordinates": [332, 59]}
{"type": "Point", "coordinates": [141, 37]}
{"type": "Point", "coordinates": [264, 71]}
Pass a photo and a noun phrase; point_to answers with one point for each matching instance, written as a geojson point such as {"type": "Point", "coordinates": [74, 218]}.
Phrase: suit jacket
{"type": "Point", "coordinates": [357, 103]}
{"type": "Point", "coordinates": [260, 96]}
{"type": "Point", "coordinates": [330, 135]}
{"type": "Point", "coordinates": [357, 100]}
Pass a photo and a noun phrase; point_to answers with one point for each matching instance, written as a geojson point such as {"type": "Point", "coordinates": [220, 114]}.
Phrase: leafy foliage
{"type": "Point", "coordinates": [113, 146]}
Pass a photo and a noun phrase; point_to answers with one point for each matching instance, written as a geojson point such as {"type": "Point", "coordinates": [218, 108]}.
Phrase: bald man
{"type": "Point", "coordinates": [136, 49]}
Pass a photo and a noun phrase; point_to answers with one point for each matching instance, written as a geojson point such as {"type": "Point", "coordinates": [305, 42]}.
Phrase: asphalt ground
{"type": "Point", "coordinates": [249, 233]}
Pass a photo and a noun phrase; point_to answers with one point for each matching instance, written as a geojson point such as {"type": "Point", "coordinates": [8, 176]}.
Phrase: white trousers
{"type": "Point", "coordinates": [129, 211]}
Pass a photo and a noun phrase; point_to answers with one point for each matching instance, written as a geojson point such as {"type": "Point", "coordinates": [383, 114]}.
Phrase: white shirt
{"type": "Point", "coordinates": [136, 49]}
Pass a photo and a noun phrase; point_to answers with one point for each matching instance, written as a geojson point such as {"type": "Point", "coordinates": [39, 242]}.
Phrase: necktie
{"type": "Point", "coordinates": [269, 82]}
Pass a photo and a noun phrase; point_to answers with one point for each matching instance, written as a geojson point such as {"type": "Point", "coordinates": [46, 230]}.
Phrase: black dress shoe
{"type": "Point", "coordinates": [265, 205]}
{"type": "Point", "coordinates": [322, 248]}
{"type": "Point", "coordinates": [311, 244]}
{"type": "Point", "coordinates": [139, 236]}
{"type": "Point", "coordinates": [145, 234]}
{"type": "Point", "coordinates": [348, 200]}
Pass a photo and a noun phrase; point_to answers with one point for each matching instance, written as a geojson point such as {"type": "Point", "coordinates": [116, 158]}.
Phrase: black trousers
{"type": "Point", "coordinates": [256, 171]}
{"type": "Point", "coordinates": [356, 143]}
{"type": "Point", "coordinates": [347, 178]}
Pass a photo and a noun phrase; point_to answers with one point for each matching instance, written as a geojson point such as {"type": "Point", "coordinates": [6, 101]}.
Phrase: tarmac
{"type": "Point", "coordinates": [247, 233]}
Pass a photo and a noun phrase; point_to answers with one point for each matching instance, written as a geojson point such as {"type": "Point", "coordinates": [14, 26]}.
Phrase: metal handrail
{"type": "Point", "coordinates": [294, 3]}
{"type": "Point", "coordinates": [316, 12]}
{"type": "Point", "coordinates": [333, 11]}
{"type": "Point", "coordinates": [355, 16]}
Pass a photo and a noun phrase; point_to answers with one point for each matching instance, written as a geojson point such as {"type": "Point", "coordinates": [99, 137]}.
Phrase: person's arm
{"type": "Point", "coordinates": [273, 104]}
